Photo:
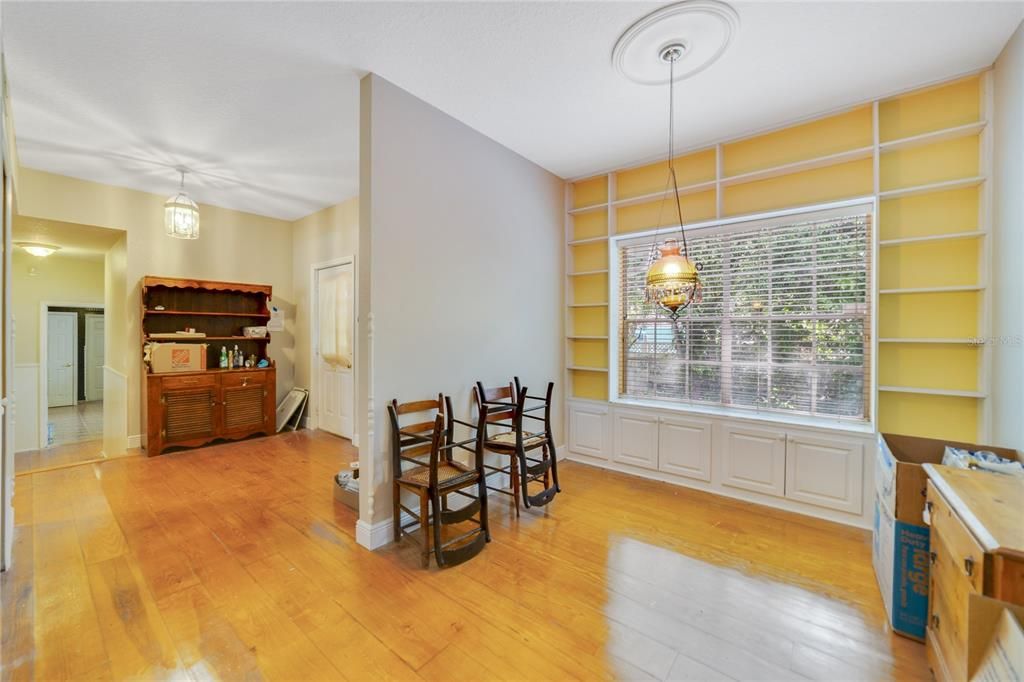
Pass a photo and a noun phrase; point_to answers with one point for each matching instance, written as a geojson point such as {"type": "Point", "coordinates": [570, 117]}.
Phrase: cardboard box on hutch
{"type": "Point", "coordinates": [177, 357]}
{"type": "Point", "coordinates": [900, 541]}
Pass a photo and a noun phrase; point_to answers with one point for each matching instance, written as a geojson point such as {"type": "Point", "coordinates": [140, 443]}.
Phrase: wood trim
{"type": "Point", "coordinates": [182, 283]}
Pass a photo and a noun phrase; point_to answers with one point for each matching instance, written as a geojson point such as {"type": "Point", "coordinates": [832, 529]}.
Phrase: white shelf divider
{"type": "Point", "coordinates": [654, 196]}
{"type": "Point", "coordinates": [932, 391]}
{"type": "Point", "coordinates": [949, 236]}
{"type": "Point", "coordinates": [967, 341]}
{"type": "Point", "coordinates": [935, 136]}
{"type": "Point", "coordinates": [797, 166]}
{"type": "Point", "coordinates": [932, 290]}
{"type": "Point", "coordinates": [959, 183]}
{"type": "Point", "coordinates": [588, 209]}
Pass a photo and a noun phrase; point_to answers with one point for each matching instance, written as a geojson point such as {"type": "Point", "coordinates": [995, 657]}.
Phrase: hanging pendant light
{"type": "Point", "coordinates": [673, 281]}
{"type": "Point", "coordinates": [181, 214]}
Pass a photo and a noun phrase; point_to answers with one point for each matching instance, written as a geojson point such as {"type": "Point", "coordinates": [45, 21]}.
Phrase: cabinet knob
{"type": "Point", "coordinates": [969, 566]}
{"type": "Point", "coordinates": [935, 621]}
{"type": "Point", "coordinates": [932, 557]}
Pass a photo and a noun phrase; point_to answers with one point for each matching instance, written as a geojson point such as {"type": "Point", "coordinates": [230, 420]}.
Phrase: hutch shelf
{"type": "Point", "coordinates": [189, 409]}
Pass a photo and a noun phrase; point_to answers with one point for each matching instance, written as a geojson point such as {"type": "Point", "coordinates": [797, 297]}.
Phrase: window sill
{"type": "Point", "coordinates": [748, 415]}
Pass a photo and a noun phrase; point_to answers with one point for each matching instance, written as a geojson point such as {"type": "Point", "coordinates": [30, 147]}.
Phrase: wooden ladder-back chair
{"type": "Point", "coordinates": [520, 443]}
{"type": "Point", "coordinates": [497, 407]}
{"type": "Point", "coordinates": [433, 476]}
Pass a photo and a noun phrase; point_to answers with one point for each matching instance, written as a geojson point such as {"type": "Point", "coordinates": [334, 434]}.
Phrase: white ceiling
{"type": "Point", "coordinates": [261, 99]}
{"type": "Point", "coordinates": [72, 238]}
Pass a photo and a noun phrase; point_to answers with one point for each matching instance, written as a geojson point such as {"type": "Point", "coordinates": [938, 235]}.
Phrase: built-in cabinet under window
{"type": "Point", "coordinates": [802, 469]}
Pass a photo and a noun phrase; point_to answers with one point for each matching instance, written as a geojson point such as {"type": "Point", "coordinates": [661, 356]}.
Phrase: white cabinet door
{"type": "Point", "coordinates": [684, 447]}
{"type": "Point", "coordinates": [824, 471]}
{"type": "Point", "coordinates": [636, 439]}
{"type": "Point", "coordinates": [589, 429]}
{"type": "Point", "coordinates": [754, 459]}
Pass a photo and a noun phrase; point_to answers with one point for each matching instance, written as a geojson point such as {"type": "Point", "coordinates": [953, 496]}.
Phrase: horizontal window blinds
{"type": "Point", "coordinates": [784, 324]}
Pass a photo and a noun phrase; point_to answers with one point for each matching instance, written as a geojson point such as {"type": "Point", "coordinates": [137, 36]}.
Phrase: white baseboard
{"type": "Point", "coordinates": [374, 536]}
{"type": "Point", "coordinates": [135, 441]}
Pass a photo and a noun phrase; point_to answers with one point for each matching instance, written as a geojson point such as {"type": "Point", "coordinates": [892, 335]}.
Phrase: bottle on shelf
{"type": "Point", "coordinates": [238, 357]}
{"type": "Point", "coordinates": [223, 357]}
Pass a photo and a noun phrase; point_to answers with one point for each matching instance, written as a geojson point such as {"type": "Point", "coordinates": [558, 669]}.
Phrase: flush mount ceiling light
{"type": "Point", "coordinates": [703, 28]}
{"type": "Point", "coordinates": [38, 250]}
{"type": "Point", "coordinates": [181, 214]}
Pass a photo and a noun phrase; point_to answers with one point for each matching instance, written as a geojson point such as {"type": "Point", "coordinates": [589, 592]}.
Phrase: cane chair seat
{"type": "Point", "coordinates": [448, 473]}
{"type": "Point", "coordinates": [508, 440]}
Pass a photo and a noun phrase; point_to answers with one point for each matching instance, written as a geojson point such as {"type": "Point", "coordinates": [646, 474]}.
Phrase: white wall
{"type": "Point", "coordinates": [318, 238]}
{"type": "Point", "coordinates": [463, 238]}
{"type": "Point", "coordinates": [1008, 246]}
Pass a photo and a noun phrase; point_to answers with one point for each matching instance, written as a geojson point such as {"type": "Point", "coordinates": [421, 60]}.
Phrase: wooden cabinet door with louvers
{"type": "Point", "coordinates": [190, 411]}
{"type": "Point", "coordinates": [247, 403]}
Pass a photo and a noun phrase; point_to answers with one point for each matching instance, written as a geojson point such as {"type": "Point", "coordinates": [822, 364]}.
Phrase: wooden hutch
{"type": "Point", "coordinates": [188, 409]}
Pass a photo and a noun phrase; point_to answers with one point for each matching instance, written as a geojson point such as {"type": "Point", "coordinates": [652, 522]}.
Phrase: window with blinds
{"type": "Point", "coordinates": [784, 324]}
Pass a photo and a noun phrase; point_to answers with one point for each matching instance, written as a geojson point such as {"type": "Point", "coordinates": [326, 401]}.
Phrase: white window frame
{"type": "Point", "coordinates": [868, 204]}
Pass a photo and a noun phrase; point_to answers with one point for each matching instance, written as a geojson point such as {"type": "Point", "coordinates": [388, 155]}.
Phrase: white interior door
{"type": "Point", "coordinates": [334, 325]}
{"type": "Point", "coordinates": [61, 343]}
{"type": "Point", "coordinates": [93, 357]}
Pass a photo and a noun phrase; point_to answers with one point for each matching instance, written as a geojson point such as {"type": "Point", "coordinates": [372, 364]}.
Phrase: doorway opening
{"type": "Point", "coordinates": [74, 375]}
{"type": "Point", "coordinates": [332, 391]}
{"type": "Point", "coordinates": [64, 316]}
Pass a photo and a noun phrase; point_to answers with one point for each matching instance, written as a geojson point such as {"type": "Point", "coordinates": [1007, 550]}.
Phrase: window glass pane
{"type": "Point", "coordinates": [782, 324]}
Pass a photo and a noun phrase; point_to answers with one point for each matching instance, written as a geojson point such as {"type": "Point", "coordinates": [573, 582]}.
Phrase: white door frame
{"type": "Point", "coordinates": [44, 403]}
{"type": "Point", "coordinates": [313, 416]}
{"type": "Point", "coordinates": [85, 354]}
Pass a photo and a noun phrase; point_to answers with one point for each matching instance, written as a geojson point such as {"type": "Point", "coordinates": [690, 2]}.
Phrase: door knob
{"type": "Point", "coordinates": [68, 364]}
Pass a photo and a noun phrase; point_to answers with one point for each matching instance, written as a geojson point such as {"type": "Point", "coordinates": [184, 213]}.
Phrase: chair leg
{"type": "Point", "coordinates": [484, 521]}
{"type": "Point", "coordinates": [515, 482]}
{"type": "Point", "coordinates": [554, 464]}
{"type": "Point", "coordinates": [547, 472]}
{"type": "Point", "coordinates": [396, 492]}
{"type": "Point", "coordinates": [523, 474]}
{"type": "Point", "coordinates": [436, 524]}
{"type": "Point", "coordinates": [425, 528]}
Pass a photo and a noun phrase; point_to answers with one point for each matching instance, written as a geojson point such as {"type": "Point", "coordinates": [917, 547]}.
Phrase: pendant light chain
{"type": "Point", "coordinates": [671, 149]}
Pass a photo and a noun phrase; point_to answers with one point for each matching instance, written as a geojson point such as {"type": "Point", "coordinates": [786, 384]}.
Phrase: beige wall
{"type": "Point", "coordinates": [1008, 246]}
{"type": "Point", "coordinates": [318, 238]}
{"type": "Point", "coordinates": [234, 246]}
{"type": "Point", "coordinates": [58, 279]}
{"type": "Point", "coordinates": [461, 240]}
{"type": "Point", "coordinates": [117, 349]}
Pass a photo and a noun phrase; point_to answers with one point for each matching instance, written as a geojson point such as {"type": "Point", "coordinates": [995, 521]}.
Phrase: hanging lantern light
{"type": "Point", "coordinates": [673, 281]}
{"type": "Point", "coordinates": [181, 214]}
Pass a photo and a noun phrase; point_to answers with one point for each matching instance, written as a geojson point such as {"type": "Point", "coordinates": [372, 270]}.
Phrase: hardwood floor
{"type": "Point", "coordinates": [234, 562]}
{"type": "Point", "coordinates": [71, 454]}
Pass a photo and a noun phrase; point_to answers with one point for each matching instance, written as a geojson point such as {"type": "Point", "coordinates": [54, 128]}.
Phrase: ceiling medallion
{"type": "Point", "coordinates": [703, 28]}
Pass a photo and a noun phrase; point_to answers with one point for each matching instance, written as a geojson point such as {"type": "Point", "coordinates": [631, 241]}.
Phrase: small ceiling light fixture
{"type": "Point", "coordinates": [38, 250]}
{"type": "Point", "coordinates": [687, 36]}
{"type": "Point", "coordinates": [181, 214]}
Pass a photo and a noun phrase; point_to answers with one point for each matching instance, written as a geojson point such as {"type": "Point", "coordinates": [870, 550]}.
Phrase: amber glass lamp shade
{"type": "Point", "coordinates": [672, 280]}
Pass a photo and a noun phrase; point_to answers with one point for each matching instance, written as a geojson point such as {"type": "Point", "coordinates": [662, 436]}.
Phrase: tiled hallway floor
{"type": "Point", "coordinates": [77, 423]}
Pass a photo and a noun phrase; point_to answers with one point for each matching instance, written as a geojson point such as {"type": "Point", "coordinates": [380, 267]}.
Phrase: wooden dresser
{"type": "Point", "coordinates": [188, 409]}
{"type": "Point", "coordinates": [977, 547]}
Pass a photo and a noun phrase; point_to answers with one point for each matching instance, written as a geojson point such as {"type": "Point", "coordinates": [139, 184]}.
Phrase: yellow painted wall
{"type": "Point", "coordinates": [831, 135]}
{"type": "Point", "coordinates": [920, 215]}
{"type": "Point", "coordinates": [939, 263]}
{"type": "Point", "coordinates": [850, 179]}
{"type": "Point", "coordinates": [953, 104]}
{"type": "Point", "coordinates": [57, 278]}
{"type": "Point", "coordinates": [691, 169]}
